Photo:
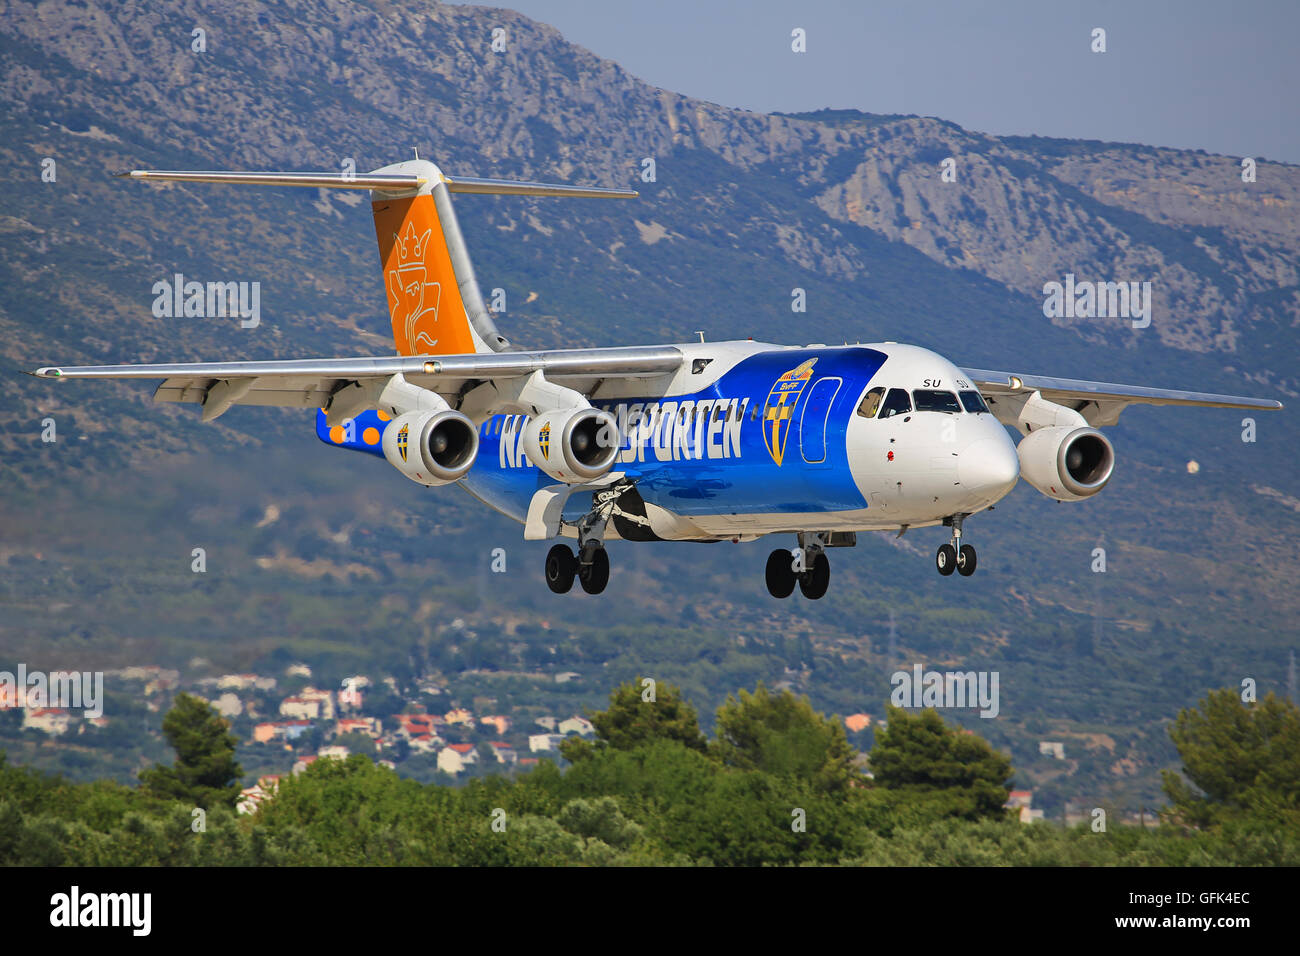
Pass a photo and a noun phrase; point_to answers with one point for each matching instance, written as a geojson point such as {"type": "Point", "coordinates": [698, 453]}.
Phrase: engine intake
{"type": "Point", "coordinates": [431, 448]}
{"type": "Point", "coordinates": [1067, 463]}
{"type": "Point", "coordinates": [573, 445]}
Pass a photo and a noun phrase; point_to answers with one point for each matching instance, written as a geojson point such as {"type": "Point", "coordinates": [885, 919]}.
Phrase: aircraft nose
{"type": "Point", "coordinates": [989, 465]}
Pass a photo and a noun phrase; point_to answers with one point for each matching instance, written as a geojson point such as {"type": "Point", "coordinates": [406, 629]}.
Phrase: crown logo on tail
{"type": "Point", "coordinates": [412, 298]}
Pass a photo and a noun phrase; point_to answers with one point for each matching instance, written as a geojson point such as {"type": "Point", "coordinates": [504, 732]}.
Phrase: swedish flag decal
{"type": "Point", "coordinates": [401, 441]}
{"type": "Point", "coordinates": [779, 412]}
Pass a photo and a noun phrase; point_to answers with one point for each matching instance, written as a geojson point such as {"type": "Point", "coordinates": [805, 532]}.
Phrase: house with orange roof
{"type": "Point", "coordinates": [50, 720]}
{"type": "Point", "coordinates": [358, 725]}
{"type": "Point", "coordinates": [302, 763]}
{"type": "Point", "coordinates": [499, 721]}
{"type": "Point", "coordinates": [856, 723]}
{"type": "Point", "coordinates": [411, 725]}
{"type": "Point", "coordinates": [455, 758]}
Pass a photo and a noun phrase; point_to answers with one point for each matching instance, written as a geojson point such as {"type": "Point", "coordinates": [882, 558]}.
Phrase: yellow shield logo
{"type": "Point", "coordinates": [544, 439]}
{"type": "Point", "coordinates": [778, 415]}
{"type": "Point", "coordinates": [402, 440]}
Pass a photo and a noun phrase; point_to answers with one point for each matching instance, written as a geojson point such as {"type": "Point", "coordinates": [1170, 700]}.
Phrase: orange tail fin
{"type": "Point", "coordinates": [424, 298]}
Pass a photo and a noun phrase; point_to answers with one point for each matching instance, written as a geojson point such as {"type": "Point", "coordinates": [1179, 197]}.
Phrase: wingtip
{"type": "Point", "coordinates": [47, 372]}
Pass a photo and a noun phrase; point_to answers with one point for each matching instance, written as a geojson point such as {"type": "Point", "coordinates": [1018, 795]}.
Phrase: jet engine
{"type": "Point", "coordinates": [1065, 462]}
{"type": "Point", "coordinates": [572, 445]}
{"type": "Point", "coordinates": [431, 448]}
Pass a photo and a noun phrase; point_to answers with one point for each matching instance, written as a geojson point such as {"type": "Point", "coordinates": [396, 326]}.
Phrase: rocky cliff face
{"type": "Point", "coordinates": [307, 84]}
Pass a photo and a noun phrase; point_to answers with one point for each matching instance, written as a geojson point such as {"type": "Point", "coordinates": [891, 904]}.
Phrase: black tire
{"type": "Point", "coordinates": [946, 560]}
{"type": "Point", "coordinates": [966, 561]}
{"type": "Point", "coordinates": [814, 582]}
{"type": "Point", "coordinates": [780, 573]}
{"type": "Point", "coordinates": [595, 576]}
{"type": "Point", "coordinates": [561, 566]}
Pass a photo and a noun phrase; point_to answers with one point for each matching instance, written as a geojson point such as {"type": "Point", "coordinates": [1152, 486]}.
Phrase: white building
{"type": "Point", "coordinates": [228, 705]}
{"type": "Point", "coordinates": [300, 708]}
{"type": "Point", "coordinates": [456, 758]}
{"type": "Point", "coordinates": [539, 743]}
{"type": "Point", "coordinates": [576, 725]}
{"type": "Point", "coordinates": [50, 720]}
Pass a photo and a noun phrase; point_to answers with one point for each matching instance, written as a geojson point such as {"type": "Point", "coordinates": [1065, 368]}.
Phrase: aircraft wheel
{"type": "Point", "coordinates": [595, 576]}
{"type": "Point", "coordinates": [561, 566]}
{"type": "Point", "coordinates": [780, 573]}
{"type": "Point", "coordinates": [966, 561]}
{"type": "Point", "coordinates": [814, 582]}
{"type": "Point", "coordinates": [946, 560]}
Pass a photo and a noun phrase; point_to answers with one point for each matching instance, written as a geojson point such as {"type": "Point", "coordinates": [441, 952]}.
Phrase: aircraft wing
{"type": "Point", "coordinates": [312, 383]}
{"type": "Point", "coordinates": [1100, 403]}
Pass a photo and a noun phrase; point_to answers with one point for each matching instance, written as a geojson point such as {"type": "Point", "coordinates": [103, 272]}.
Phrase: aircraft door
{"type": "Point", "coordinates": [813, 422]}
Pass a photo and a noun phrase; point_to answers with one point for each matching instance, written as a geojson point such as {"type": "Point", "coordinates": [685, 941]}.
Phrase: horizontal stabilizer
{"type": "Point", "coordinates": [379, 181]}
{"type": "Point", "coordinates": [318, 180]}
{"type": "Point", "coordinates": [508, 187]}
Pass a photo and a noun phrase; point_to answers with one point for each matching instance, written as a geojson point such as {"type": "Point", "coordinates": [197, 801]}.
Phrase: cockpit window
{"type": "Point", "coordinates": [973, 401]}
{"type": "Point", "coordinates": [871, 403]}
{"type": "Point", "coordinates": [933, 400]}
{"type": "Point", "coordinates": [896, 403]}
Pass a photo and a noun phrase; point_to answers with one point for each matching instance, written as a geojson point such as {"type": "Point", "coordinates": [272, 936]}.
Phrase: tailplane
{"type": "Point", "coordinates": [434, 302]}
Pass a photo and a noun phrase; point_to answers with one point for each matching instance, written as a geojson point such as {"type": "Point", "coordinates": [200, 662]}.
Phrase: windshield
{"type": "Point", "coordinates": [871, 403]}
{"type": "Point", "coordinates": [896, 403]}
{"type": "Point", "coordinates": [973, 402]}
{"type": "Point", "coordinates": [933, 400]}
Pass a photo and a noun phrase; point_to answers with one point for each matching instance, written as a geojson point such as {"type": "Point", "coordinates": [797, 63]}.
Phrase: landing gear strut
{"type": "Point", "coordinates": [955, 556]}
{"type": "Point", "coordinates": [811, 570]}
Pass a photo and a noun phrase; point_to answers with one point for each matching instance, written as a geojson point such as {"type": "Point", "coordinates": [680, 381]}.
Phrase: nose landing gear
{"type": "Point", "coordinates": [955, 556]}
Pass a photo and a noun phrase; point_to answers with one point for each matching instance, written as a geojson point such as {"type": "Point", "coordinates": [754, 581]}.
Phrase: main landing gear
{"type": "Point", "coordinates": [563, 566]}
{"type": "Point", "coordinates": [806, 566]}
{"type": "Point", "coordinates": [955, 556]}
{"type": "Point", "coordinates": [591, 564]}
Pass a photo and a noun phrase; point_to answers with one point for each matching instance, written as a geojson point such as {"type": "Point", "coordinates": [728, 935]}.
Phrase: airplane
{"type": "Point", "coordinates": [696, 441]}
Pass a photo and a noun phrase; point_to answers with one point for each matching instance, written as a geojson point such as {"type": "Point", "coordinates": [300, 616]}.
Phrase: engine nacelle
{"type": "Point", "coordinates": [1065, 462]}
{"type": "Point", "coordinates": [432, 448]}
{"type": "Point", "coordinates": [573, 445]}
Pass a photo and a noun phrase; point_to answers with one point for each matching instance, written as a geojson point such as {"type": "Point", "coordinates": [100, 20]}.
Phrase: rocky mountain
{"type": "Point", "coordinates": [742, 208]}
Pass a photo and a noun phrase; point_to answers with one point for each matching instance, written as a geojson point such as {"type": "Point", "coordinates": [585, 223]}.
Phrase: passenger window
{"type": "Point", "coordinates": [973, 402]}
{"type": "Point", "coordinates": [871, 403]}
{"type": "Point", "coordinates": [896, 403]}
{"type": "Point", "coordinates": [933, 400]}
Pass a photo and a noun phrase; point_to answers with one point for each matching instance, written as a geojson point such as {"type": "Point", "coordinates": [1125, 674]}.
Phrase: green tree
{"type": "Point", "coordinates": [958, 772]}
{"type": "Point", "coordinates": [1243, 760]}
{"type": "Point", "coordinates": [633, 720]}
{"type": "Point", "coordinates": [781, 734]}
{"type": "Point", "coordinates": [206, 773]}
